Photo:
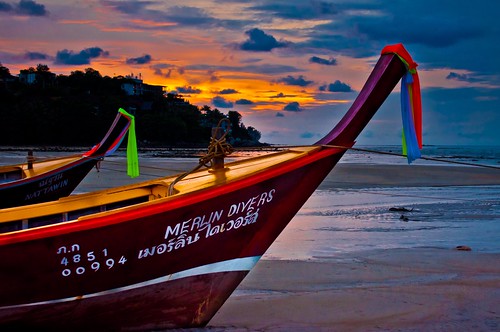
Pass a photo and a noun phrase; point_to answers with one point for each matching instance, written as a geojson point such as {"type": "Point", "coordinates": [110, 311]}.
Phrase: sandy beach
{"type": "Point", "coordinates": [399, 289]}
{"type": "Point", "coordinates": [423, 289]}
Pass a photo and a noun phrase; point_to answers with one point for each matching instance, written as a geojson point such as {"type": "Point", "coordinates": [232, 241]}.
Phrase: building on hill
{"type": "Point", "coordinates": [32, 77]}
{"type": "Point", "coordinates": [134, 86]}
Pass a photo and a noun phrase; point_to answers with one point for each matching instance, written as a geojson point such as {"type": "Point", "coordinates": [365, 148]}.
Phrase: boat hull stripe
{"type": "Point", "coordinates": [232, 265]}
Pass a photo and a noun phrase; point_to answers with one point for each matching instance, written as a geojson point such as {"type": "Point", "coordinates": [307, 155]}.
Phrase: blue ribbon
{"type": "Point", "coordinates": [410, 143]}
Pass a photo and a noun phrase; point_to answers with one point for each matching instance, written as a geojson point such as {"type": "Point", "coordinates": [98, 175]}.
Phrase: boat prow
{"type": "Point", "coordinates": [161, 258]}
{"type": "Point", "coordinates": [46, 180]}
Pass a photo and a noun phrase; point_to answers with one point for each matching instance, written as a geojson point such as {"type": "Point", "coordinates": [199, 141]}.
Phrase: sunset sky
{"type": "Point", "coordinates": [290, 67]}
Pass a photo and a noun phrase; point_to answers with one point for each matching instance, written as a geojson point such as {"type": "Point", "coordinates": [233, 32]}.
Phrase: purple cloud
{"type": "Point", "coordinates": [36, 56]}
{"type": "Point", "coordinates": [321, 61]}
{"type": "Point", "coordinates": [187, 89]}
{"type": "Point", "coordinates": [146, 58]}
{"type": "Point", "coordinates": [259, 41]}
{"type": "Point", "coordinates": [337, 86]}
{"type": "Point", "coordinates": [221, 102]}
{"type": "Point", "coordinates": [293, 107]}
{"type": "Point", "coordinates": [66, 57]}
{"type": "Point", "coordinates": [290, 80]}
{"type": "Point", "coordinates": [461, 77]}
{"type": "Point", "coordinates": [227, 91]}
{"type": "Point", "coordinates": [30, 8]}
{"type": "Point", "coordinates": [243, 102]}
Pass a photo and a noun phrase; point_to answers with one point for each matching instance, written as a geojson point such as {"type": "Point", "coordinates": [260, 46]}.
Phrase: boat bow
{"type": "Point", "coordinates": [50, 179]}
{"type": "Point", "coordinates": [164, 260]}
{"type": "Point", "coordinates": [394, 63]}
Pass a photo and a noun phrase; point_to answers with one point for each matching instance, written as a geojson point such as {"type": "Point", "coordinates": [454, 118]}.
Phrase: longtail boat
{"type": "Point", "coordinates": [49, 179]}
{"type": "Point", "coordinates": [168, 252]}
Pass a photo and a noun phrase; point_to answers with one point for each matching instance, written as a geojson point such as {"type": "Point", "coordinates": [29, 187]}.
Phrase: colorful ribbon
{"type": "Point", "coordinates": [411, 104]}
{"type": "Point", "coordinates": [132, 155]}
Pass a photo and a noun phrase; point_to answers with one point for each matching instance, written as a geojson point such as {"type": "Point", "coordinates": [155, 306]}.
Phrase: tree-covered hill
{"type": "Point", "coordinates": [39, 108]}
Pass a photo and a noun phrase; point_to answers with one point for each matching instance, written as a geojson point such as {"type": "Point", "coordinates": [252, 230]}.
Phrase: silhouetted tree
{"type": "Point", "coordinates": [78, 109]}
{"type": "Point", "coordinates": [4, 71]}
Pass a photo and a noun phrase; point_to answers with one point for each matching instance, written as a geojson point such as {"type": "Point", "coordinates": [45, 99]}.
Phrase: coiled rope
{"type": "Point", "coordinates": [218, 148]}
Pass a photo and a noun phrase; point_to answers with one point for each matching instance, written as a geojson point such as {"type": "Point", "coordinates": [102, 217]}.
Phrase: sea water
{"type": "Point", "coordinates": [346, 220]}
{"type": "Point", "coordinates": [440, 154]}
{"type": "Point", "coordinates": [341, 220]}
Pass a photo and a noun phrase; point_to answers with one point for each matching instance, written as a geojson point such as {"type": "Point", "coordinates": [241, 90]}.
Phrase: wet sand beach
{"type": "Point", "coordinates": [421, 289]}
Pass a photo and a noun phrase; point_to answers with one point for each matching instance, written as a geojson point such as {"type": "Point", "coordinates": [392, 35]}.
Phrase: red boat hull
{"type": "Point", "coordinates": [173, 261]}
{"type": "Point", "coordinates": [194, 255]}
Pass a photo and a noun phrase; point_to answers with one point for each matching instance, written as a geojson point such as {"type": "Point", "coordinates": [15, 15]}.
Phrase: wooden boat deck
{"type": "Point", "coordinates": [21, 171]}
{"type": "Point", "coordinates": [77, 207]}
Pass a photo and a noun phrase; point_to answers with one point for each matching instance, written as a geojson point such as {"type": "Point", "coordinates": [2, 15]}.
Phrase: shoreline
{"type": "Point", "coordinates": [343, 176]}
{"type": "Point", "coordinates": [353, 175]}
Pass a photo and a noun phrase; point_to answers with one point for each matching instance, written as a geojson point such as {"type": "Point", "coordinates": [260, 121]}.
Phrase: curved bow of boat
{"type": "Point", "coordinates": [50, 179]}
{"type": "Point", "coordinates": [163, 261]}
{"type": "Point", "coordinates": [389, 69]}
{"type": "Point", "coordinates": [113, 137]}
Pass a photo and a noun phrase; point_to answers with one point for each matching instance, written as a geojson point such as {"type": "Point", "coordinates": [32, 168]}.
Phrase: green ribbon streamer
{"type": "Point", "coordinates": [132, 155]}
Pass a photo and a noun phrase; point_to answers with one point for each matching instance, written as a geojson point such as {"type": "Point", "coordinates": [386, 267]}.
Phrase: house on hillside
{"type": "Point", "coordinates": [44, 78]}
{"type": "Point", "coordinates": [134, 86]}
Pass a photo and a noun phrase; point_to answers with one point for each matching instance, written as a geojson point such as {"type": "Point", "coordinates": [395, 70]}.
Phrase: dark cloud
{"type": "Point", "coordinates": [461, 77]}
{"type": "Point", "coordinates": [259, 41]}
{"type": "Point", "coordinates": [251, 60]}
{"type": "Point", "coordinates": [5, 7]}
{"type": "Point", "coordinates": [321, 61]}
{"type": "Point", "coordinates": [181, 15]}
{"type": "Point", "coordinates": [437, 33]}
{"type": "Point", "coordinates": [227, 91]}
{"type": "Point", "coordinates": [163, 70]}
{"type": "Point", "coordinates": [36, 56]}
{"type": "Point", "coordinates": [308, 135]}
{"type": "Point", "coordinates": [221, 102]}
{"type": "Point", "coordinates": [282, 95]}
{"type": "Point", "coordinates": [187, 89]}
{"type": "Point", "coordinates": [280, 115]}
{"type": "Point", "coordinates": [189, 16]}
{"type": "Point", "coordinates": [128, 7]}
{"type": "Point", "coordinates": [146, 58]}
{"type": "Point", "coordinates": [426, 30]}
{"type": "Point", "coordinates": [299, 10]}
{"type": "Point", "coordinates": [213, 76]}
{"type": "Point", "coordinates": [269, 69]}
{"type": "Point", "coordinates": [30, 8]}
{"type": "Point", "coordinates": [290, 80]}
{"type": "Point", "coordinates": [243, 102]}
{"type": "Point", "coordinates": [336, 86]}
{"type": "Point", "coordinates": [462, 115]}
{"type": "Point", "coordinates": [66, 57]}
{"type": "Point", "coordinates": [24, 7]}
{"type": "Point", "coordinates": [293, 107]}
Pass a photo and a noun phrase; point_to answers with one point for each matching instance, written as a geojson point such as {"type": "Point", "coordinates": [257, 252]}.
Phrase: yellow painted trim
{"type": "Point", "coordinates": [156, 189]}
